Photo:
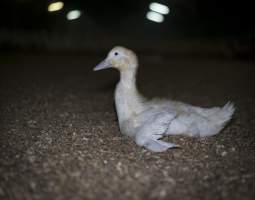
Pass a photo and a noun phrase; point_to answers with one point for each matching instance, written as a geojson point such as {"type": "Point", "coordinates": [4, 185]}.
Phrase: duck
{"type": "Point", "coordinates": [148, 121]}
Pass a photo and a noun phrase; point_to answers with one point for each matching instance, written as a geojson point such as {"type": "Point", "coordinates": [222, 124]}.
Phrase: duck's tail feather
{"type": "Point", "coordinates": [220, 118]}
{"type": "Point", "coordinates": [224, 114]}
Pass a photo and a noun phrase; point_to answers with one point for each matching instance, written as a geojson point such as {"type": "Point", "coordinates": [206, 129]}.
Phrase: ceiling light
{"type": "Point", "coordinates": [73, 14]}
{"type": "Point", "coordinates": [156, 17]}
{"type": "Point", "coordinates": [55, 6]}
{"type": "Point", "coordinates": [160, 8]}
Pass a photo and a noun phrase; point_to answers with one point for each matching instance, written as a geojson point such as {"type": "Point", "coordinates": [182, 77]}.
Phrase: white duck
{"type": "Point", "coordinates": [149, 120]}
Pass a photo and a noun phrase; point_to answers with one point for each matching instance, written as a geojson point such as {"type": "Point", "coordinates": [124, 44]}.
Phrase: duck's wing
{"type": "Point", "coordinates": [154, 128]}
{"type": "Point", "coordinates": [200, 122]}
{"type": "Point", "coordinates": [141, 120]}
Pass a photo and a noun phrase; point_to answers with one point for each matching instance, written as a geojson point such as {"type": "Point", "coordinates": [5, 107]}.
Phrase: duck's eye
{"type": "Point", "coordinates": [116, 53]}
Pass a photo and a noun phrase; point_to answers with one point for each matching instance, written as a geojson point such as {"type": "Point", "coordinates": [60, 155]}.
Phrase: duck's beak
{"type": "Point", "coordinates": [103, 65]}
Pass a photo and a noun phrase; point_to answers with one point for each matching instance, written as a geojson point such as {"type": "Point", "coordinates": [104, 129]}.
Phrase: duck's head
{"type": "Point", "coordinates": [120, 58]}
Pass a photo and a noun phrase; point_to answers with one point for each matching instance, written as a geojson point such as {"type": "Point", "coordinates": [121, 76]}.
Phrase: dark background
{"type": "Point", "coordinates": [26, 24]}
{"type": "Point", "coordinates": [59, 135]}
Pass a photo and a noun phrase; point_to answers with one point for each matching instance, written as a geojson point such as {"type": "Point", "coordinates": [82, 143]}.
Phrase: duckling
{"type": "Point", "coordinates": [147, 121]}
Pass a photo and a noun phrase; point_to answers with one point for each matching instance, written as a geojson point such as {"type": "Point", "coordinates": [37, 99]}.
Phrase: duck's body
{"type": "Point", "coordinates": [149, 120]}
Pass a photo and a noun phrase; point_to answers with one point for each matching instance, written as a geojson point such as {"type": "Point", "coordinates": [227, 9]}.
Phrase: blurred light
{"type": "Point", "coordinates": [160, 8]}
{"type": "Point", "coordinates": [73, 14]}
{"type": "Point", "coordinates": [156, 17]}
{"type": "Point", "coordinates": [55, 6]}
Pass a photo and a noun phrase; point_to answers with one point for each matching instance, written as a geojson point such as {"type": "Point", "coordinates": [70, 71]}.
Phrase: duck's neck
{"type": "Point", "coordinates": [128, 79]}
{"type": "Point", "coordinates": [127, 98]}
